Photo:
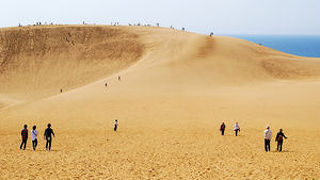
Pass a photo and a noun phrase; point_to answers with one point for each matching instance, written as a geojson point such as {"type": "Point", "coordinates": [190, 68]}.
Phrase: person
{"type": "Point", "coordinates": [222, 128]}
{"type": "Point", "coordinates": [211, 34]}
{"type": "Point", "coordinates": [60, 90]}
{"type": "Point", "coordinates": [105, 84]}
{"type": "Point", "coordinates": [34, 134]}
{"type": "Point", "coordinates": [279, 139]}
{"type": "Point", "coordinates": [236, 128]}
{"type": "Point", "coordinates": [119, 78]}
{"type": "Point", "coordinates": [115, 125]}
{"type": "Point", "coordinates": [48, 136]}
{"type": "Point", "coordinates": [267, 138]}
{"type": "Point", "coordinates": [24, 136]}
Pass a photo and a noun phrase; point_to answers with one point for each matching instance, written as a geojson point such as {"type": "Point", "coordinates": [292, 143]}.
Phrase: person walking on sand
{"type": "Point", "coordinates": [222, 128]}
{"type": "Point", "coordinates": [24, 136]}
{"type": "Point", "coordinates": [115, 125]}
{"type": "Point", "coordinates": [34, 134]}
{"type": "Point", "coordinates": [48, 136]}
{"type": "Point", "coordinates": [267, 138]}
{"type": "Point", "coordinates": [279, 139]}
{"type": "Point", "coordinates": [236, 128]}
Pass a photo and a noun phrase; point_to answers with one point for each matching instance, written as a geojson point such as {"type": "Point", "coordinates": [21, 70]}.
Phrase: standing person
{"type": "Point", "coordinates": [115, 125]}
{"type": "Point", "coordinates": [34, 134]}
{"type": "Point", "coordinates": [267, 138]}
{"type": "Point", "coordinates": [279, 139]}
{"type": "Point", "coordinates": [236, 128]}
{"type": "Point", "coordinates": [47, 134]}
{"type": "Point", "coordinates": [24, 136]}
{"type": "Point", "coordinates": [222, 128]}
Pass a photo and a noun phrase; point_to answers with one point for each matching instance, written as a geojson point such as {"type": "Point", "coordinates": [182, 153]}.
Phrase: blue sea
{"type": "Point", "coordinates": [298, 45]}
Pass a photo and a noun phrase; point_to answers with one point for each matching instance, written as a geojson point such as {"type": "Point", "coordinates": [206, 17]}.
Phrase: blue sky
{"type": "Point", "coordinates": [203, 16]}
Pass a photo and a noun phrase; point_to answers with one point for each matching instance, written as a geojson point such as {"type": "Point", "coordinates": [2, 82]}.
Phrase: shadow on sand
{"type": "Point", "coordinates": [41, 150]}
{"type": "Point", "coordinates": [283, 151]}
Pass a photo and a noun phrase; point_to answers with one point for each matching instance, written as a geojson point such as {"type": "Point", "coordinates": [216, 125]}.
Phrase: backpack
{"type": "Point", "coordinates": [280, 137]}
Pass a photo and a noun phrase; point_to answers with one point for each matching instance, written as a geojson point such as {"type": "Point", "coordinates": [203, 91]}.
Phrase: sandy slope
{"type": "Point", "coordinates": [175, 89]}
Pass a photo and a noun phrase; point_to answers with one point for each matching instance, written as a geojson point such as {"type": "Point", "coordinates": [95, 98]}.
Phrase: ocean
{"type": "Point", "coordinates": [308, 46]}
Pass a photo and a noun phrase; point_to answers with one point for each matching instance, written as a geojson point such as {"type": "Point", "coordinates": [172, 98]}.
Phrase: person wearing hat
{"type": "Point", "coordinates": [267, 138]}
{"type": "Point", "coordinates": [279, 139]}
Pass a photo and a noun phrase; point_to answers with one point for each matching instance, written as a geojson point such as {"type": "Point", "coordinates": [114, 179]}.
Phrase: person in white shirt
{"type": "Point", "coordinates": [34, 134]}
{"type": "Point", "coordinates": [267, 138]}
{"type": "Point", "coordinates": [236, 128]}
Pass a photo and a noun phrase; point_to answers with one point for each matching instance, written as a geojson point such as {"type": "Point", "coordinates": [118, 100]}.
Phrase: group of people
{"type": "Point", "coordinates": [106, 84]}
{"type": "Point", "coordinates": [236, 128]}
{"type": "Point", "coordinates": [267, 136]}
{"type": "Point", "coordinates": [48, 133]}
{"type": "Point", "coordinates": [279, 138]}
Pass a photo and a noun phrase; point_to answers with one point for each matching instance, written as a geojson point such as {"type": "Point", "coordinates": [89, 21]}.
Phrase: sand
{"type": "Point", "coordinates": [176, 88]}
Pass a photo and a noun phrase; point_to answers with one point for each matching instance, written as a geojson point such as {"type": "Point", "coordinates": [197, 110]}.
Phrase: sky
{"type": "Point", "coordinates": [291, 17]}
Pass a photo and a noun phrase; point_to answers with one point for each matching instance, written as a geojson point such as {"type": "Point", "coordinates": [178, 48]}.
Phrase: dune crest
{"type": "Point", "coordinates": [37, 62]}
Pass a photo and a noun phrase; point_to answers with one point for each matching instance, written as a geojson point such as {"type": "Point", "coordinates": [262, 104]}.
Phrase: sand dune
{"type": "Point", "coordinates": [37, 62]}
{"type": "Point", "coordinates": [176, 88]}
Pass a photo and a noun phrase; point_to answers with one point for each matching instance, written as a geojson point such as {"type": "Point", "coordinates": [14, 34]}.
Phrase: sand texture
{"type": "Point", "coordinates": [176, 88]}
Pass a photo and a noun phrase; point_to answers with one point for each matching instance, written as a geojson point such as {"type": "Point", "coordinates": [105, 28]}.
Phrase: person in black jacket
{"type": "Point", "coordinates": [279, 139]}
{"type": "Point", "coordinates": [222, 128]}
{"type": "Point", "coordinates": [47, 135]}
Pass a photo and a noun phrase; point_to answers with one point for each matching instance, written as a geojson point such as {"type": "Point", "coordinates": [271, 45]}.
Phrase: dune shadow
{"type": "Point", "coordinates": [232, 135]}
{"type": "Point", "coordinates": [228, 135]}
{"type": "Point", "coordinates": [239, 136]}
{"type": "Point", "coordinates": [283, 151]}
{"type": "Point", "coordinates": [41, 150]}
{"type": "Point", "coordinates": [53, 150]}
{"type": "Point", "coordinates": [286, 151]}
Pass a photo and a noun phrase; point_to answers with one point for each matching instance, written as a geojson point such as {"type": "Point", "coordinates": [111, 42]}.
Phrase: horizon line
{"type": "Point", "coordinates": [151, 25]}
